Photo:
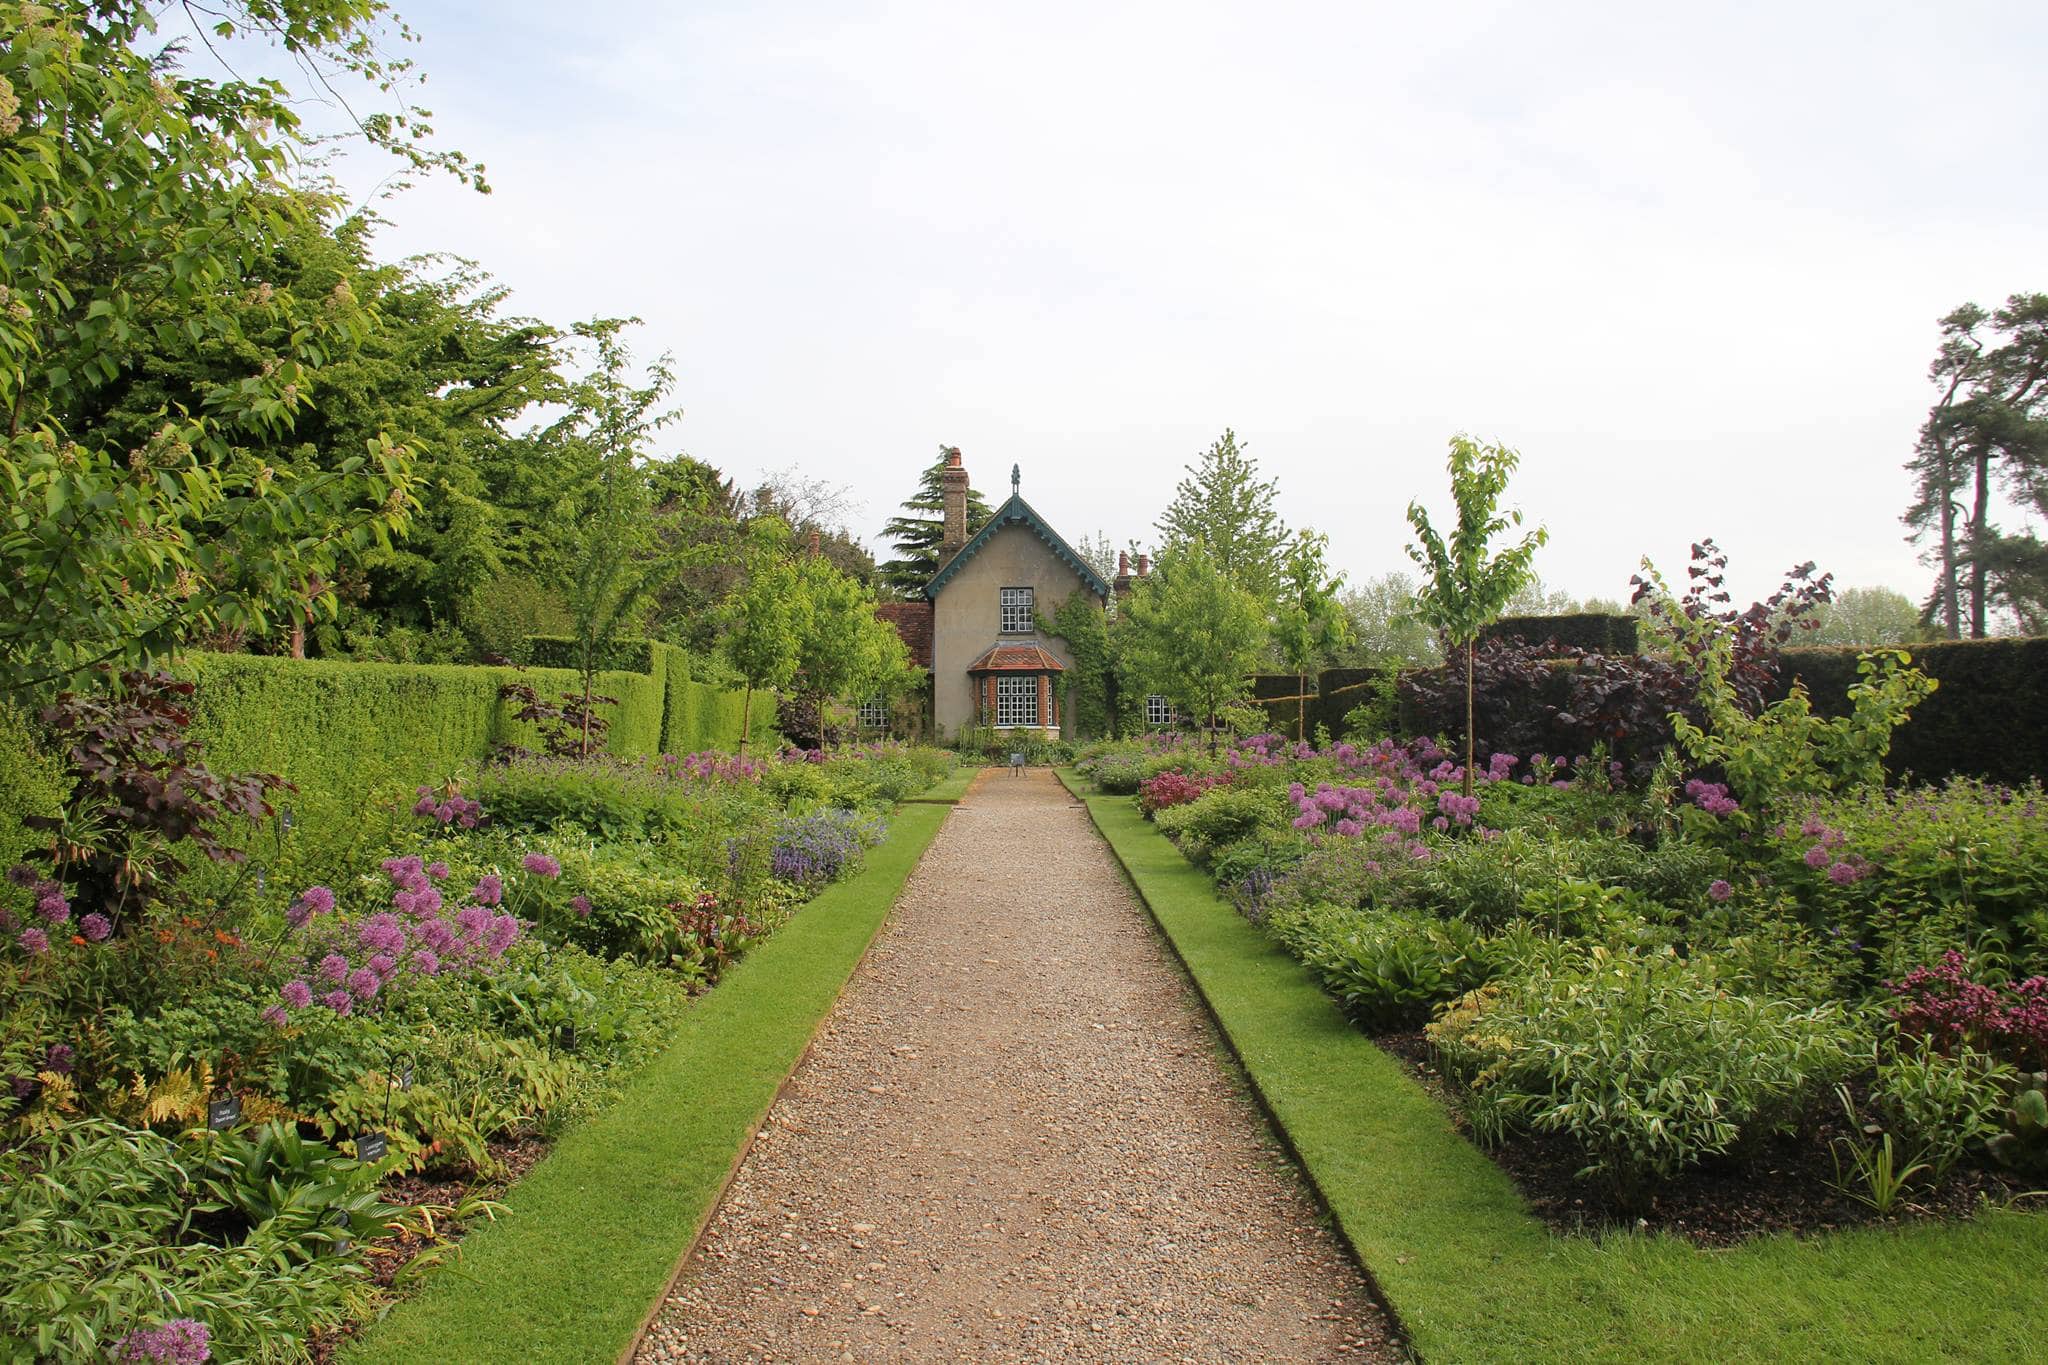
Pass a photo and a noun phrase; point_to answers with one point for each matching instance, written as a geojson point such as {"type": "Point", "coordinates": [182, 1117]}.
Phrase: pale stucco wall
{"type": "Point", "coordinates": [966, 619]}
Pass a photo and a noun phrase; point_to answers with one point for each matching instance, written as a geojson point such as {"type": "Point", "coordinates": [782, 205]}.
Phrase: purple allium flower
{"type": "Point", "coordinates": [52, 906]}
{"type": "Point", "coordinates": [297, 994]}
{"type": "Point", "coordinates": [333, 967]}
{"type": "Point", "coordinates": [384, 964]}
{"type": "Point", "coordinates": [490, 890]}
{"type": "Point", "coordinates": [274, 1015]}
{"type": "Point", "coordinates": [581, 905]}
{"type": "Point", "coordinates": [59, 1058]}
{"type": "Point", "coordinates": [444, 812]}
{"type": "Point", "coordinates": [181, 1341]}
{"type": "Point", "coordinates": [424, 806]}
{"type": "Point", "coordinates": [1817, 856]}
{"type": "Point", "coordinates": [504, 931]}
{"type": "Point", "coordinates": [425, 961]}
{"type": "Point", "coordinates": [316, 900]}
{"type": "Point", "coordinates": [473, 920]}
{"type": "Point", "coordinates": [34, 941]}
{"type": "Point", "coordinates": [541, 865]}
{"type": "Point", "coordinates": [1720, 891]}
{"type": "Point", "coordinates": [437, 870]}
{"type": "Point", "coordinates": [341, 1002]}
{"type": "Point", "coordinates": [95, 927]}
{"type": "Point", "coordinates": [363, 983]}
{"type": "Point", "coordinates": [22, 875]}
{"type": "Point", "coordinates": [436, 934]}
{"type": "Point", "coordinates": [1842, 874]}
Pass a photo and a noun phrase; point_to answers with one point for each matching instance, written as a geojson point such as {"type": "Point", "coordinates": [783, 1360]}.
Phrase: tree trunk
{"type": "Point", "coordinates": [746, 718]}
{"type": "Point", "coordinates": [1951, 608]}
{"type": "Point", "coordinates": [1300, 707]}
{"type": "Point", "coordinates": [584, 751]}
{"type": "Point", "coordinates": [1469, 644]}
{"type": "Point", "coordinates": [1980, 512]}
{"type": "Point", "coordinates": [299, 637]}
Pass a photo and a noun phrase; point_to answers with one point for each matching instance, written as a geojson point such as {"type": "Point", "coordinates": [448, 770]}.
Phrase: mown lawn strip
{"type": "Point", "coordinates": [1473, 1276]}
{"type": "Point", "coordinates": [594, 1232]}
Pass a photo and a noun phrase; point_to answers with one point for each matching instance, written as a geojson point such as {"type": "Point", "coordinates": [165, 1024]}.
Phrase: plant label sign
{"type": "Point", "coordinates": [568, 1037]}
{"type": "Point", "coordinates": [342, 1243]}
{"type": "Point", "coordinates": [405, 1077]}
{"type": "Point", "coordinates": [371, 1147]}
{"type": "Point", "coordinates": [221, 1114]}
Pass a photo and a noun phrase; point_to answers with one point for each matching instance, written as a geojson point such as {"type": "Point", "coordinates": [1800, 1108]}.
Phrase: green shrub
{"type": "Point", "coordinates": [1217, 818]}
{"type": "Point", "coordinates": [1648, 1066]}
{"type": "Point", "coordinates": [31, 783]}
{"type": "Point", "coordinates": [1941, 1106]}
{"type": "Point", "coordinates": [1389, 969]}
{"type": "Point", "coordinates": [96, 1241]}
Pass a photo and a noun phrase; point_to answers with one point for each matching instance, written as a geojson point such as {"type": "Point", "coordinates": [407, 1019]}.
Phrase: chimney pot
{"type": "Point", "coordinates": [1144, 565]}
{"type": "Point", "coordinates": [1123, 563]}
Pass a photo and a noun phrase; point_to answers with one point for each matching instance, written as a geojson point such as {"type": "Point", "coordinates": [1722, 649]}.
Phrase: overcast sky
{"type": "Point", "coordinates": [1688, 260]}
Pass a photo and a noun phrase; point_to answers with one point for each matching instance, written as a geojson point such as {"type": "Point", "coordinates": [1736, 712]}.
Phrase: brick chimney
{"type": "Point", "coordinates": [954, 484]}
{"type": "Point", "coordinates": [1122, 586]}
{"type": "Point", "coordinates": [1144, 566]}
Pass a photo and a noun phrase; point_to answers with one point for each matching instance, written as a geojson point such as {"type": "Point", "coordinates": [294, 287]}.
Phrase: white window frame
{"type": "Point", "coordinates": [1016, 701]}
{"type": "Point", "coordinates": [1158, 711]}
{"type": "Point", "coordinates": [874, 714]}
{"type": "Point", "coordinates": [1014, 611]}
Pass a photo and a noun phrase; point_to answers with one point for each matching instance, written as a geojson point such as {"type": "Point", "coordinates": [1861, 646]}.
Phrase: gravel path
{"type": "Point", "coordinates": [1015, 1140]}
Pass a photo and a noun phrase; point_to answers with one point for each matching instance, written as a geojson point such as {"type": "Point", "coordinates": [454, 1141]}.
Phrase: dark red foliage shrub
{"type": "Point", "coordinates": [138, 792]}
{"type": "Point", "coordinates": [1552, 698]}
{"type": "Point", "coordinates": [570, 728]}
{"type": "Point", "coordinates": [1173, 788]}
{"type": "Point", "coordinates": [1942, 1004]}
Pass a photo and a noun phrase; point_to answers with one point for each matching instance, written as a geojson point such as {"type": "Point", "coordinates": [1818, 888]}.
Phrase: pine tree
{"type": "Point", "coordinates": [916, 536]}
{"type": "Point", "coordinates": [1226, 508]}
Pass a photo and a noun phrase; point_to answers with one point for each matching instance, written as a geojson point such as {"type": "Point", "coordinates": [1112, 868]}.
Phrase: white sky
{"type": "Point", "coordinates": [1689, 260]}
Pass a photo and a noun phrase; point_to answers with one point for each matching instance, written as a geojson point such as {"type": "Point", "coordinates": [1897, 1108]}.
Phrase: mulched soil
{"type": "Point", "coordinates": [1787, 1186]}
{"type": "Point", "coordinates": [387, 1256]}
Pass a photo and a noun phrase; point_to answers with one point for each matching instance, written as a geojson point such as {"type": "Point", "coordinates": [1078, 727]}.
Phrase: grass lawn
{"type": "Point", "coordinates": [596, 1229]}
{"type": "Point", "coordinates": [1472, 1275]}
{"type": "Point", "coordinates": [949, 790]}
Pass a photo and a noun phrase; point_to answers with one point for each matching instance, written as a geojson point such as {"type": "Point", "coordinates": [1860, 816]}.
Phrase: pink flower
{"type": "Point", "coordinates": [333, 967]}
{"type": "Point", "coordinates": [1720, 891]}
{"type": "Point", "coordinates": [581, 905]}
{"type": "Point", "coordinates": [437, 870]}
{"type": "Point", "coordinates": [341, 1002]}
{"type": "Point", "coordinates": [34, 942]}
{"type": "Point", "coordinates": [541, 865]}
{"type": "Point", "coordinates": [1842, 874]}
{"type": "Point", "coordinates": [274, 1015]}
{"type": "Point", "coordinates": [296, 994]}
{"type": "Point", "coordinates": [95, 927]}
{"type": "Point", "coordinates": [1817, 856]}
{"type": "Point", "coordinates": [490, 890]}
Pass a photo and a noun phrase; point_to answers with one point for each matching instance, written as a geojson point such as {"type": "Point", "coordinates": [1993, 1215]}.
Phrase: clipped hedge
{"type": "Point", "coordinates": [1596, 632]}
{"type": "Point", "coordinates": [31, 783]}
{"type": "Point", "coordinates": [1989, 718]}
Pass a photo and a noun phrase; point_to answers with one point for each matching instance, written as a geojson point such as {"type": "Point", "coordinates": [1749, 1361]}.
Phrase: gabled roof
{"type": "Point", "coordinates": [1017, 512]}
{"type": "Point", "coordinates": [1016, 658]}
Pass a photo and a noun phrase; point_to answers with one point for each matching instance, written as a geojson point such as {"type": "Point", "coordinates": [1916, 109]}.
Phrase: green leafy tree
{"type": "Point", "coordinates": [1869, 616]}
{"type": "Point", "coordinates": [844, 650]}
{"type": "Point", "coordinates": [1466, 587]}
{"type": "Point", "coordinates": [1309, 625]}
{"type": "Point", "coordinates": [761, 622]}
{"type": "Point", "coordinates": [1989, 425]}
{"type": "Point", "coordinates": [616, 570]}
{"type": "Point", "coordinates": [1193, 635]}
{"type": "Point", "coordinates": [1225, 507]}
{"type": "Point", "coordinates": [916, 535]}
{"type": "Point", "coordinates": [1385, 630]}
{"type": "Point", "coordinates": [142, 212]}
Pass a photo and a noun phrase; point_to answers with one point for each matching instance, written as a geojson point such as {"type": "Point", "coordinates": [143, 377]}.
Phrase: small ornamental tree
{"type": "Point", "coordinates": [1309, 623]}
{"type": "Point", "coordinates": [1225, 507]}
{"type": "Point", "coordinates": [760, 622]}
{"type": "Point", "coordinates": [1466, 588]}
{"type": "Point", "coordinates": [842, 648]}
{"type": "Point", "coordinates": [1193, 636]}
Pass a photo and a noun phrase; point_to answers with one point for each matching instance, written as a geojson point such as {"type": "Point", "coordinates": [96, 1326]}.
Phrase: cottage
{"type": "Point", "coordinates": [977, 626]}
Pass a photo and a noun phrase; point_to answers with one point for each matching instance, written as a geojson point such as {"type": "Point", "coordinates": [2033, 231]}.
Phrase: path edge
{"type": "Point", "coordinates": [1076, 786]}
{"type": "Point", "coordinates": [384, 1340]}
{"type": "Point", "coordinates": [753, 1133]}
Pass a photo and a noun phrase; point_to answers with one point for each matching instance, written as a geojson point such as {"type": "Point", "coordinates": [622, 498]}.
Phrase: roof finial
{"type": "Point", "coordinates": [1016, 479]}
